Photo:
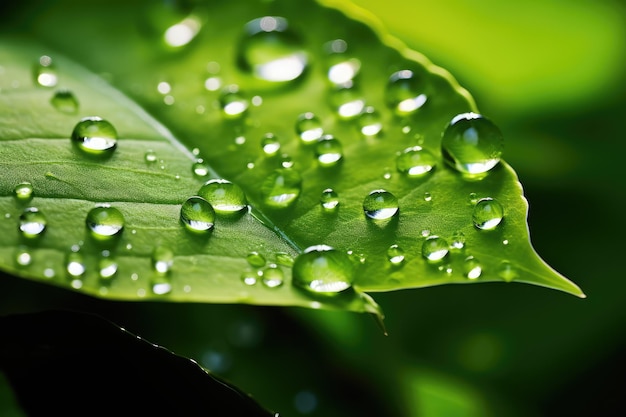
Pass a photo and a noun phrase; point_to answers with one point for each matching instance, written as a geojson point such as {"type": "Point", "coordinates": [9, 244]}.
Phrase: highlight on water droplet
{"type": "Point", "coordinates": [64, 101]}
{"type": "Point", "coordinates": [162, 259]}
{"type": "Point", "coordinates": [323, 270]}
{"type": "Point", "coordinates": [380, 205]}
{"type": "Point", "coordinates": [183, 32]}
{"type": "Point", "coordinates": [255, 259]}
{"type": "Point", "coordinates": [75, 264]}
{"type": "Point", "coordinates": [150, 156]}
{"type": "Point", "coordinates": [428, 196]}
{"type": "Point", "coordinates": [45, 72]}
{"type": "Point", "coordinates": [95, 136]}
{"type": "Point", "coordinates": [23, 191]}
{"type": "Point", "coordinates": [435, 248]}
{"type": "Point", "coordinates": [329, 199]}
{"type": "Point", "coordinates": [271, 50]}
{"type": "Point", "coordinates": [472, 144]}
{"type": "Point", "coordinates": [200, 169]}
{"type": "Point", "coordinates": [472, 268]}
{"type": "Point", "coordinates": [328, 150]}
{"type": "Point", "coordinates": [458, 240]}
{"type": "Point", "coordinates": [32, 223]}
{"type": "Point", "coordinates": [197, 215]}
{"type": "Point", "coordinates": [273, 276]}
{"type": "Point", "coordinates": [309, 128]}
{"type": "Point", "coordinates": [406, 92]}
{"type": "Point", "coordinates": [249, 276]}
{"type": "Point", "coordinates": [342, 68]}
{"type": "Point", "coordinates": [415, 162]}
{"type": "Point", "coordinates": [270, 144]}
{"type": "Point", "coordinates": [370, 122]}
{"type": "Point", "coordinates": [23, 257]}
{"type": "Point", "coordinates": [347, 101]}
{"type": "Point", "coordinates": [233, 102]}
{"type": "Point", "coordinates": [104, 222]}
{"type": "Point", "coordinates": [107, 267]}
{"type": "Point", "coordinates": [226, 197]}
{"type": "Point", "coordinates": [395, 255]}
{"type": "Point", "coordinates": [281, 188]}
{"type": "Point", "coordinates": [488, 214]}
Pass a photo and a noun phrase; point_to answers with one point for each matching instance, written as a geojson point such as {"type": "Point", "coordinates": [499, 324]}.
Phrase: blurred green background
{"type": "Point", "coordinates": [552, 75]}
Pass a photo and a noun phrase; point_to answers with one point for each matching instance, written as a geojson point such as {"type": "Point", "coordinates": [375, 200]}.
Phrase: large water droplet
{"type": "Point", "coordinates": [472, 268]}
{"type": "Point", "coordinates": [395, 255]}
{"type": "Point", "coordinates": [105, 222]}
{"type": "Point", "coordinates": [273, 276]}
{"type": "Point", "coordinates": [234, 104]}
{"type": "Point", "coordinates": [255, 259]}
{"type": "Point", "coordinates": [95, 136]}
{"type": "Point", "coordinates": [225, 196]}
{"type": "Point", "coordinates": [472, 144]}
{"type": "Point", "coordinates": [370, 122]}
{"type": "Point", "coordinates": [23, 191]}
{"type": "Point", "coordinates": [380, 205]}
{"type": "Point", "coordinates": [415, 161]}
{"type": "Point", "coordinates": [270, 144]}
{"type": "Point", "coordinates": [32, 222]}
{"type": "Point", "coordinates": [405, 92]}
{"type": "Point", "coordinates": [309, 128]}
{"type": "Point", "coordinates": [197, 214]}
{"type": "Point", "coordinates": [45, 72]}
{"type": "Point", "coordinates": [329, 199]}
{"type": "Point", "coordinates": [322, 269]}
{"type": "Point", "coordinates": [435, 248]}
{"type": "Point", "coordinates": [328, 150]}
{"type": "Point", "coordinates": [488, 214]}
{"type": "Point", "coordinates": [281, 188]}
{"type": "Point", "coordinates": [64, 101]}
{"type": "Point", "coordinates": [271, 51]}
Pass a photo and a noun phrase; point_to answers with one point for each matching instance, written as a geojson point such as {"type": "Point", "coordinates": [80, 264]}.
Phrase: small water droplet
{"type": "Point", "coordinates": [309, 128]}
{"type": "Point", "coordinates": [23, 191]}
{"type": "Point", "coordinates": [347, 101]}
{"type": "Point", "coordinates": [435, 248]}
{"type": "Point", "coordinates": [257, 101]}
{"type": "Point", "coordinates": [249, 277]}
{"type": "Point", "coordinates": [405, 92]}
{"type": "Point", "coordinates": [370, 122]}
{"type": "Point", "coordinates": [197, 214]}
{"type": "Point", "coordinates": [162, 259]}
{"type": "Point", "coordinates": [225, 197]}
{"type": "Point", "coordinates": [64, 101]}
{"type": "Point", "coordinates": [150, 156]}
{"type": "Point", "coordinates": [356, 258]}
{"type": "Point", "coordinates": [105, 222]}
{"type": "Point", "coordinates": [213, 83]}
{"type": "Point", "coordinates": [458, 240]}
{"type": "Point", "coordinates": [473, 198]}
{"type": "Point", "coordinates": [286, 161]}
{"type": "Point", "coordinates": [164, 87]}
{"type": "Point", "coordinates": [488, 214]}
{"type": "Point", "coordinates": [255, 259]}
{"type": "Point", "coordinates": [95, 136]}
{"type": "Point", "coordinates": [45, 72]}
{"type": "Point", "coordinates": [415, 162]}
{"type": "Point", "coordinates": [273, 276]}
{"type": "Point", "coordinates": [270, 144]}
{"type": "Point", "coordinates": [75, 264]}
{"type": "Point", "coordinates": [328, 150]}
{"type": "Point", "coordinates": [472, 144]}
{"type": "Point", "coordinates": [472, 268]}
{"type": "Point", "coordinates": [324, 270]}
{"type": "Point", "coordinates": [23, 257]}
{"type": "Point", "coordinates": [107, 268]}
{"type": "Point", "coordinates": [380, 205]}
{"type": "Point", "coordinates": [507, 271]}
{"type": "Point", "coordinates": [342, 68]}
{"type": "Point", "coordinates": [281, 188]}
{"type": "Point", "coordinates": [387, 173]}
{"type": "Point", "coordinates": [505, 242]}
{"type": "Point", "coordinates": [284, 259]}
{"type": "Point", "coordinates": [329, 199]}
{"type": "Point", "coordinates": [183, 32]}
{"type": "Point", "coordinates": [200, 168]}
{"type": "Point", "coordinates": [428, 197]}
{"type": "Point", "coordinates": [32, 222]}
{"type": "Point", "coordinates": [271, 51]}
{"type": "Point", "coordinates": [395, 255]}
{"type": "Point", "coordinates": [425, 233]}
{"type": "Point", "coordinates": [233, 102]}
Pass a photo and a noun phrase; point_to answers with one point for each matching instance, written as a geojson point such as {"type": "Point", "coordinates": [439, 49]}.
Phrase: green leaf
{"type": "Point", "coordinates": [136, 60]}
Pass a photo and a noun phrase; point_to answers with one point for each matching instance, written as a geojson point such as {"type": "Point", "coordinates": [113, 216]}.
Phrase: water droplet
{"type": "Point", "coordinates": [472, 144]}
{"type": "Point", "coordinates": [507, 271]}
{"type": "Point", "coordinates": [23, 191]}
{"type": "Point", "coordinates": [225, 196]}
{"type": "Point", "coordinates": [387, 173]}
{"type": "Point", "coordinates": [200, 168]}
{"type": "Point", "coordinates": [197, 214]}
{"type": "Point", "coordinates": [150, 156]}
{"type": "Point", "coordinates": [356, 258]}
{"type": "Point", "coordinates": [249, 277]}
{"type": "Point", "coordinates": [329, 199]}
{"type": "Point", "coordinates": [425, 233]}
{"type": "Point", "coordinates": [395, 255]}
{"type": "Point", "coordinates": [107, 268]}
{"type": "Point", "coordinates": [45, 72]}
{"type": "Point", "coordinates": [270, 144]}
{"type": "Point", "coordinates": [472, 268]}
{"type": "Point", "coordinates": [458, 240]}
{"type": "Point", "coordinates": [273, 276]}
{"type": "Point", "coordinates": [183, 32]}
{"type": "Point", "coordinates": [32, 222]}
{"type": "Point", "coordinates": [488, 214]}
{"type": "Point", "coordinates": [309, 128]}
{"type": "Point", "coordinates": [328, 150]}
{"type": "Point", "coordinates": [105, 222]}
{"type": "Point", "coordinates": [233, 102]}
{"type": "Point", "coordinates": [23, 257]}
{"type": "Point", "coordinates": [415, 162]}
{"type": "Point", "coordinates": [95, 136]}
{"type": "Point", "coordinates": [435, 248]}
{"type": "Point", "coordinates": [405, 92]}
{"type": "Point", "coordinates": [64, 101]}
{"type": "Point", "coordinates": [322, 269]}
{"type": "Point", "coordinates": [281, 188]}
{"type": "Point", "coordinates": [255, 259]}
{"type": "Point", "coordinates": [286, 161]}
{"type": "Point", "coordinates": [271, 51]}
{"type": "Point", "coordinates": [162, 259]}
{"type": "Point", "coordinates": [380, 205]}
{"type": "Point", "coordinates": [164, 87]}
{"type": "Point", "coordinates": [370, 122]}
{"type": "Point", "coordinates": [347, 101]}
{"type": "Point", "coordinates": [75, 264]}
{"type": "Point", "coordinates": [428, 197]}
{"type": "Point", "coordinates": [473, 198]}
{"type": "Point", "coordinates": [284, 259]}
{"type": "Point", "coordinates": [213, 83]}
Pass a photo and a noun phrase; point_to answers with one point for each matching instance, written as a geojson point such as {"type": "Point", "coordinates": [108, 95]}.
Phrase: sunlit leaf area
{"type": "Point", "coordinates": [216, 190]}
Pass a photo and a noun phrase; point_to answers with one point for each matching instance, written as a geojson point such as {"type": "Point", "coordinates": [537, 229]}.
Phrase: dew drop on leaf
{"type": "Point", "coordinates": [32, 223]}
{"type": "Point", "coordinates": [435, 248]}
{"type": "Point", "coordinates": [64, 101]}
{"type": "Point", "coordinates": [249, 276]}
{"type": "Point", "coordinates": [255, 259]}
{"type": "Point", "coordinates": [271, 50]}
{"type": "Point", "coordinates": [488, 214]}
{"type": "Point", "coordinates": [347, 101]}
{"type": "Point", "coordinates": [150, 156]}
{"type": "Point", "coordinates": [23, 257]}
{"type": "Point", "coordinates": [285, 259]}
{"type": "Point", "coordinates": [162, 260]}
{"type": "Point", "coordinates": [95, 136]}
{"type": "Point", "coordinates": [405, 92]}
{"type": "Point", "coordinates": [75, 264]}
{"type": "Point", "coordinates": [415, 162]}
{"type": "Point", "coordinates": [329, 199]}
{"type": "Point", "coordinates": [507, 271]}
{"type": "Point", "coordinates": [328, 150]}
{"type": "Point", "coordinates": [183, 32]}
{"type": "Point", "coordinates": [199, 168]}
{"type": "Point", "coordinates": [197, 215]}
{"type": "Point", "coordinates": [428, 196]}
{"type": "Point", "coordinates": [107, 268]}
{"type": "Point", "coordinates": [458, 240]}
{"type": "Point", "coordinates": [309, 128]}
{"type": "Point", "coordinates": [273, 276]}
{"type": "Point", "coordinates": [472, 144]}
{"type": "Point", "coordinates": [370, 122]}
{"type": "Point", "coordinates": [472, 268]}
{"type": "Point", "coordinates": [105, 222]}
{"type": "Point", "coordinates": [380, 205]}
{"type": "Point", "coordinates": [234, 104]}
{"type": "Point", "coordinates": [23, 191]}
{"type": "Point", "coordinates": [322, 269]}
{"type": "Point", "coordinates": [225, 196]}
{"type": "Point", "coordinates": [342, 68]}
{"type": "Point", "coordinates": [270, 144]}
{"type": "Point", "coordinates": [395, 255]}
{"type": "Point", "coordinates": [45, 72]}
{"type": "Point", "coordinates": [281, 188]}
